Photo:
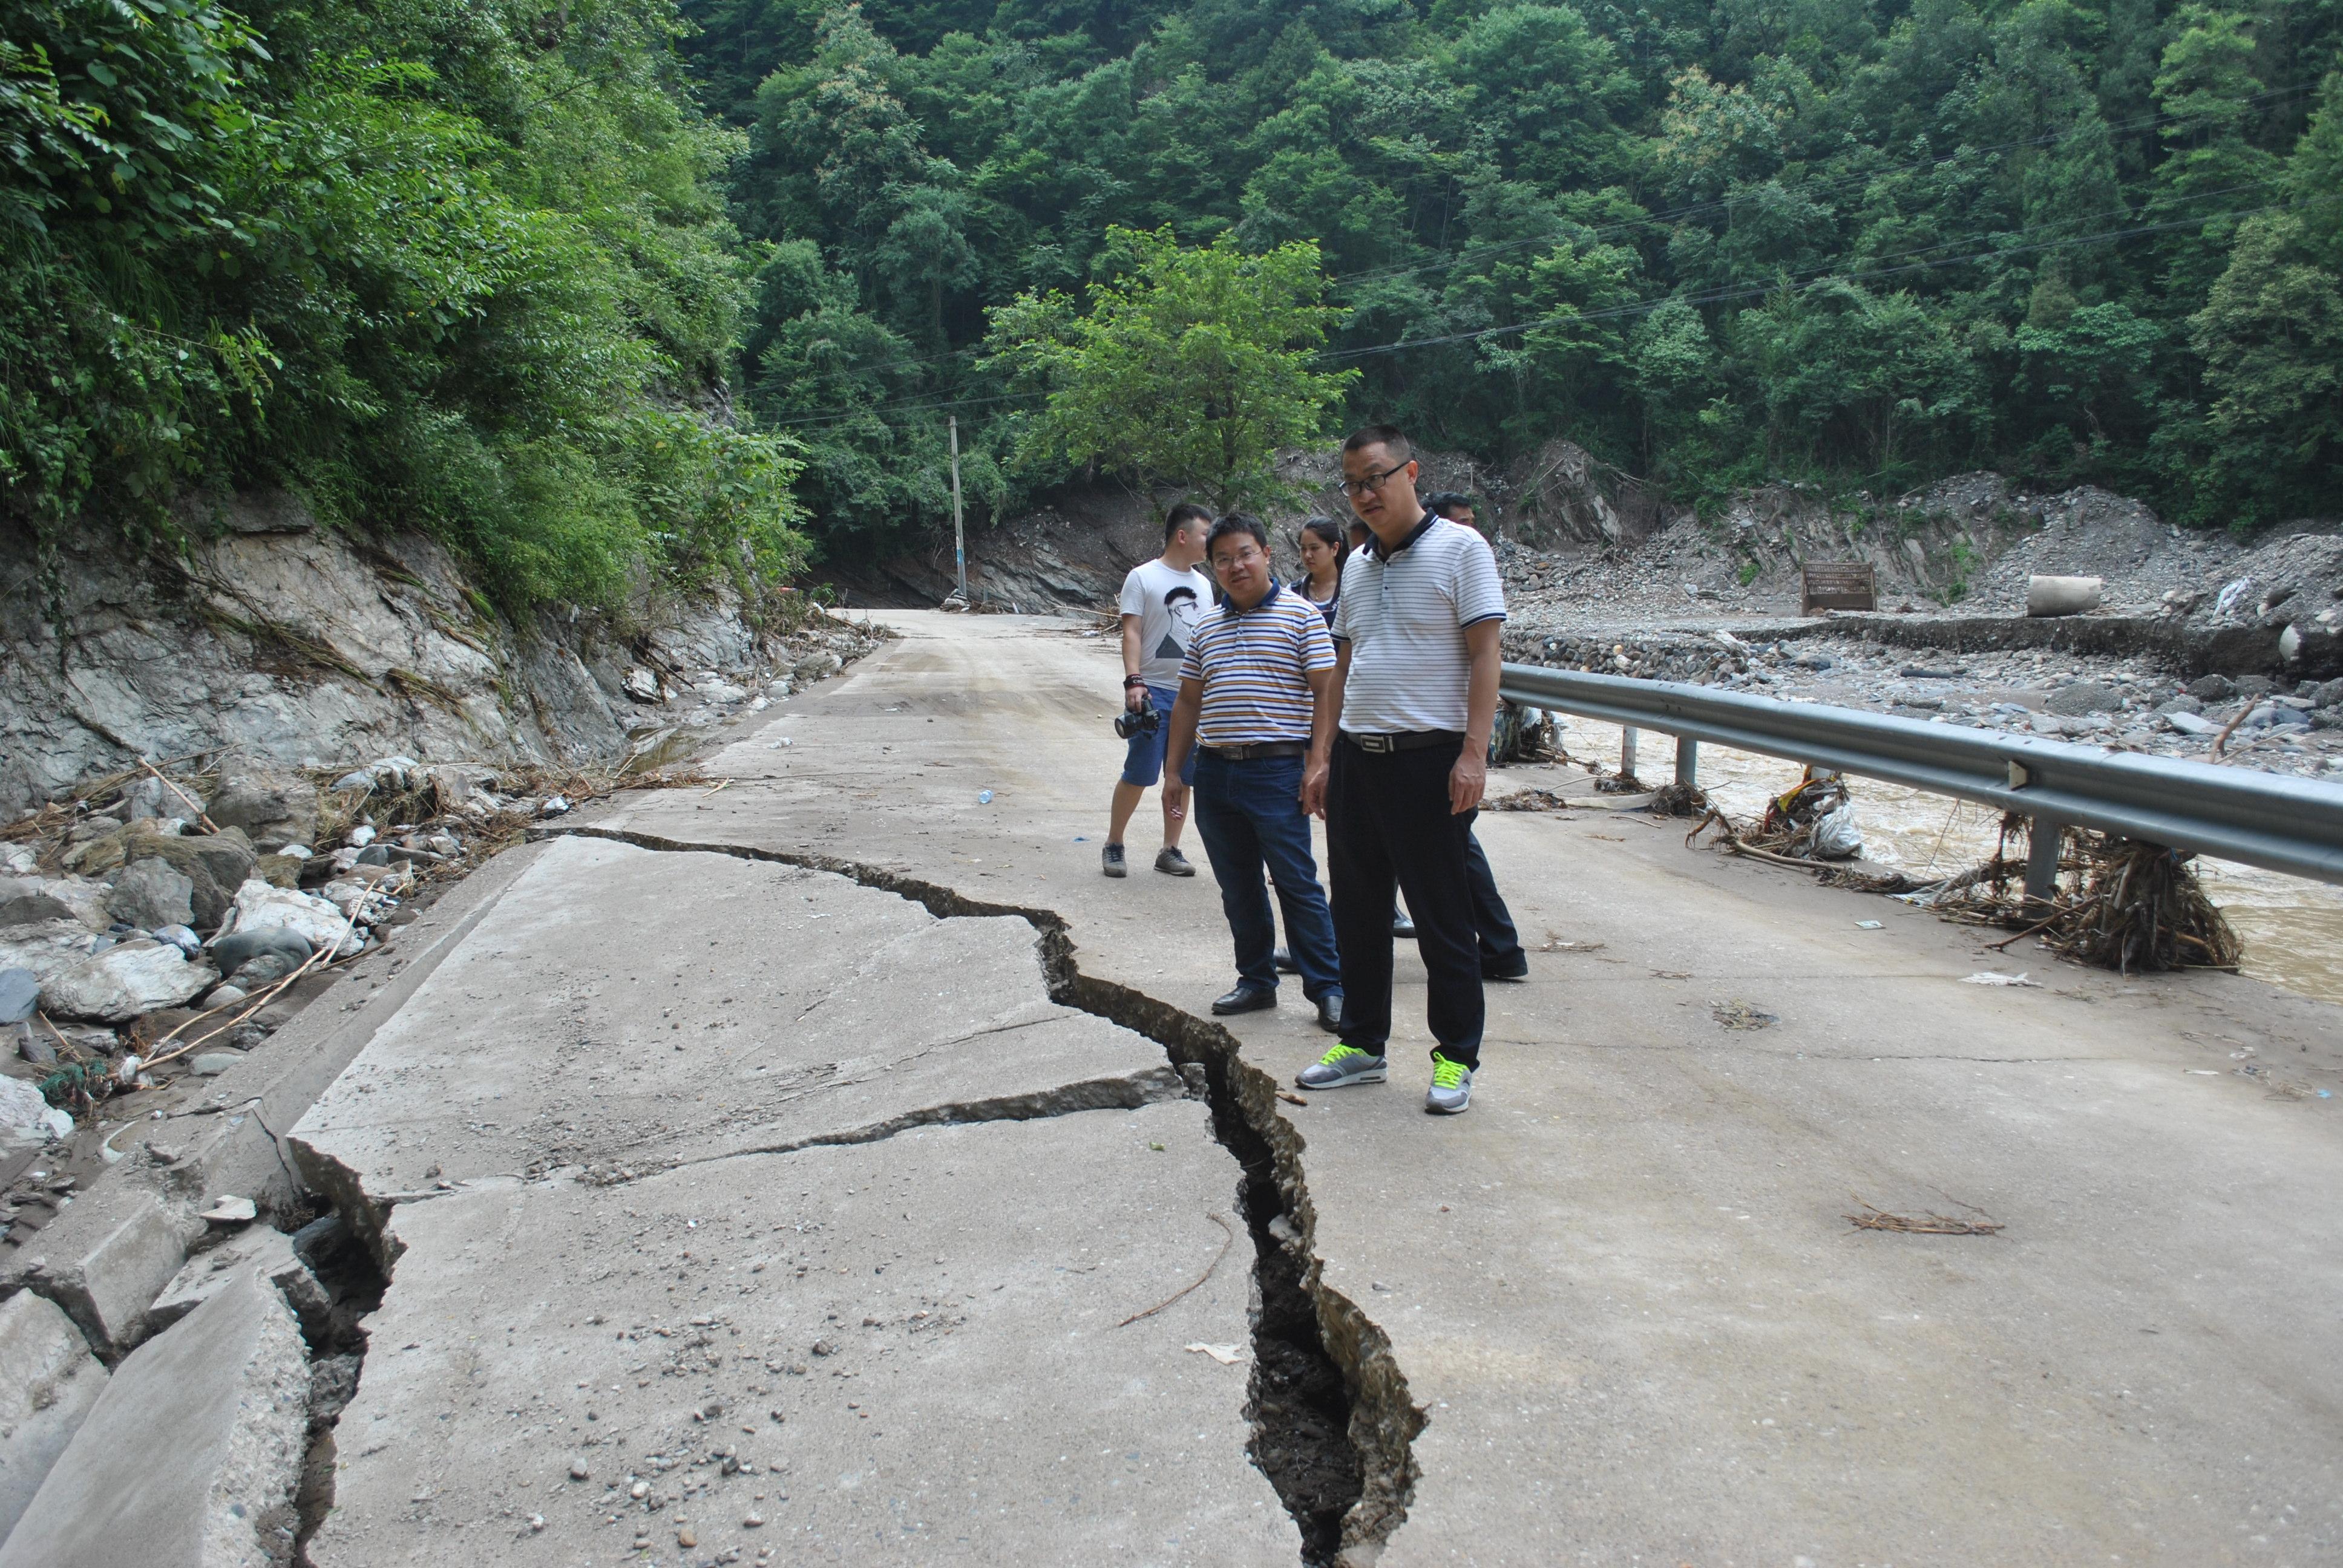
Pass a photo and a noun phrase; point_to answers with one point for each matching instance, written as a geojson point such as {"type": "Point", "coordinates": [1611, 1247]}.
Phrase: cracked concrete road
{"type": "Point", "coordinates": [735, 1211]}
{"type": "Point", "coordinates": [1623, 1291]}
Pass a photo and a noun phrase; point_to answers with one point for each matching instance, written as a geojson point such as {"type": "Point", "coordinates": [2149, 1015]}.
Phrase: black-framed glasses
{"type": "Point", "coordinates": [1372, 482]}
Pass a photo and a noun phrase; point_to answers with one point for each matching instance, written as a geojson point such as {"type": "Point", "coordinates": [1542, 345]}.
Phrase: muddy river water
{"type": "Point", "coordinates": [2292, 929]}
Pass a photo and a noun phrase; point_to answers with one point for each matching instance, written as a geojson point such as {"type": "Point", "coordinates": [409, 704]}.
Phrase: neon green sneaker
{"type": "Point", "coordinates": [1451, 1087]}
{"type": "Point", "coordinates": [1343, 1066]}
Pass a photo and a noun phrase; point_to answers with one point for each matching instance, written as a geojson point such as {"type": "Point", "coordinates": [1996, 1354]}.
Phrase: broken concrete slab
{"type": "Point", "coordinates": [48, 1381]}
{"type": "Point", "coordinates": [897, 1353]}
{"type": "Point", "coordinates": [265, 1251]}
{"type": "Point", "coordinates": [189, 1457]}
{"type": "Point", "coordinates": [796, 1007]}
{"type": "Point", "coordinates": [107, 1258]}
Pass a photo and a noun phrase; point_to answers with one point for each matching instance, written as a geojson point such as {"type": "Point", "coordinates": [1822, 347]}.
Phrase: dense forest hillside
{"type": "Point", "coordinates": [460, 266]}
{"type": "Point", "coordinates": [598, 291]}
{"type": "Point", "coordinates": [1717, 241]}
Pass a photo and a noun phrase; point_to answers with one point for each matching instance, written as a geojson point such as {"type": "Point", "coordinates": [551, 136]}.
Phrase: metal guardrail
{"type": "Point", "coordinates": [2284, 824]}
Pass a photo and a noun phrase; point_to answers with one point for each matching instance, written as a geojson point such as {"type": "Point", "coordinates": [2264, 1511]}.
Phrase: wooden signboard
{"type": "Point", "coordinates": [1837, 585]}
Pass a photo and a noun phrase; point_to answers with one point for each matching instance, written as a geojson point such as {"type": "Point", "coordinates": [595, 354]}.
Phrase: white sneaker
{"type": "Point", "coordinates": [1451, 1087]}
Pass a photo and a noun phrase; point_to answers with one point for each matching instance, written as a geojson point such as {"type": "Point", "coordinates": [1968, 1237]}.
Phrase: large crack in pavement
{"type": "Point", "coordinates": [1333, 1421]}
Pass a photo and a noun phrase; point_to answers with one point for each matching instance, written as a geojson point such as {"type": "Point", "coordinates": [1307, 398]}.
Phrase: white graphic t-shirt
{"type": "Point", "coordinates": [1168, 604]}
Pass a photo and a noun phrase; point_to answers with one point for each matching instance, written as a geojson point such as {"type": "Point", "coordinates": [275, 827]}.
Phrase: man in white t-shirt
{"type": "Point", "coordinates": [1416, 675]}
{"type": "Point", "coordinates": [1162, 599]}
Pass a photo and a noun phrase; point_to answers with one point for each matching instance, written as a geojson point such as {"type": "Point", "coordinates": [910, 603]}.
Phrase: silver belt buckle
{"type": "Point", "coordinates": [1374, 742]}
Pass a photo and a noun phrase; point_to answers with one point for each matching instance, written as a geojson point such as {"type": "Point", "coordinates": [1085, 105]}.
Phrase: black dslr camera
{"type": "Point", "coordinates": [1142, 720]}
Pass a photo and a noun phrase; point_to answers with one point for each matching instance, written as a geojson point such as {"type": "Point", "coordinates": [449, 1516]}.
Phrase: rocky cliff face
{"type": "Point", "coordinates": [289, 642]}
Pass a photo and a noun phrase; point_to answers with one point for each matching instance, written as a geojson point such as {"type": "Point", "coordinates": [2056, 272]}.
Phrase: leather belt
{"type": "Point", "coordinates": [1405, 740]}
{"type": "Point", "coordinates": [1260, 749]}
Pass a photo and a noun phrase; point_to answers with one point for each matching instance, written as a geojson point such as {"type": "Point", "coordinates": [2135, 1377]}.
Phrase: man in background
{"type": "Point", "coordinates": [1162, 599]}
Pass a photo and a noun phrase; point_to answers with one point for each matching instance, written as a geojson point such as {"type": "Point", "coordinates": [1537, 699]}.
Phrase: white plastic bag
{"type": "Point", "coordinates": [1836, 838]}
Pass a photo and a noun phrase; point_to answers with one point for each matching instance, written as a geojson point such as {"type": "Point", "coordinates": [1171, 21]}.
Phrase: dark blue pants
{"type": "Point", "coordinates": [1250, 815]}
{"type": "Point", "coordinates": [1388, 826]}
{"type": "Point", "coordinates": [1493, 923]}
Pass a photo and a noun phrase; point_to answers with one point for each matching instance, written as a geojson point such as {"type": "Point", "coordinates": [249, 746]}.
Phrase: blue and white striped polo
{"type": "Point", "coordinates": [1254, 666]}
{"type": "Point", "coordinates": [1404, 618]}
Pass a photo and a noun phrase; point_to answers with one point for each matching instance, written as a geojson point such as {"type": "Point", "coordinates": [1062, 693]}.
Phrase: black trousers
{"type": "Point", "coordinates": [1493, 923]}
{"type": "Point", "coordinates": [1388, 828]}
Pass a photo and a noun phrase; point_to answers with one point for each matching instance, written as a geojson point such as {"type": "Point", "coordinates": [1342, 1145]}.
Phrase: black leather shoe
{"type": "Point", "coordinates": [1401, 925]}
{"type": "Point", "coordinates": [1284, 958]}
{"type": "Point", "coordinates": [1519, 970]}
{"type": "Point", "coordinates": [1244, 998]}
{"type": "Point", "coordinates": [1330, 1013]}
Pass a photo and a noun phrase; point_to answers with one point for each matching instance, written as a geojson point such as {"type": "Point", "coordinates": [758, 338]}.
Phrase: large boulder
{"type": "Point", "coordinates": [2082, 697]}
{"type": "Point", "coordinates": [24, 1113]}
{"type": "Point", "coordinates": [259, 905]}
{"type": "Point", "coordinates": [20, 993]}
{"type": "Point", "coordinates": [274, 806]}
{"type": "Point", "coordinates": [45, 947]}
{"type": "Point", "coordinates": [254, 958]}
{"type": "Point", "coordinates": [30, 900]}
{"type": "Point", "coordinates": [149, 895]}
{"type": "Point", "coordinates": [124, 981]}
{"type": "Point", "coordinates": [215, 865]}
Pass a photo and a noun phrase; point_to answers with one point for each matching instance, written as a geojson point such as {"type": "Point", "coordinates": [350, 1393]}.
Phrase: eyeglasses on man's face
{"type": "Point", "coordinates": [1370, 482]}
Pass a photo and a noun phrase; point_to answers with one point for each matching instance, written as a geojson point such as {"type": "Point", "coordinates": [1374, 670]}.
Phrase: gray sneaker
{"type": "Point", "coordinates": [1173, 863]}
{"type": "Point", "coordinates": [1342, 1067]}
{"type": "Point", "coordinates": [1111, 861]}
{"type": "Point", "coordinates": [1451, 1087]}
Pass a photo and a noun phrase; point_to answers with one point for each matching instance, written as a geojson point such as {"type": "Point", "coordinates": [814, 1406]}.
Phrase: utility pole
{"type": "Point", "coordinates": [960, 535]}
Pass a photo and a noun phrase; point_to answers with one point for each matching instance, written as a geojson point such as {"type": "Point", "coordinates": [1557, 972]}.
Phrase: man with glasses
{"type": "Point", "coordinates": [1255, 693]}
{"type": "Point", "coordinates": [1502, 957]}
{"type": "Point", "coordinates": [1415, 679]}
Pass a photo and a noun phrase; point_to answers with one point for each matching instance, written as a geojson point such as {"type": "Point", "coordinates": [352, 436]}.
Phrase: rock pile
{"type": "Point", "coordinates": [150, 902]}
{"type": "Point", "coordinates": [2281, 725]}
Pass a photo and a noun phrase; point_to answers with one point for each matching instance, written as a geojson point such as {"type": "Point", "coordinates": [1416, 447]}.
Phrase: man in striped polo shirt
{"type": "Point", "coordinates": [1255, 694]}
{"type": "Point", "coordinates": [1416, 666]}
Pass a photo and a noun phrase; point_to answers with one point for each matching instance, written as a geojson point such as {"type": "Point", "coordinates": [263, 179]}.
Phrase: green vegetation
{"type": "Point", "coordinates": [504, 269]}
{"type": "Point", "coordinates": [1192, 368]}
{"type": "Point", "coordinates": [1859, 242]}
{"type": "Point", "coordinates": [464, 267]}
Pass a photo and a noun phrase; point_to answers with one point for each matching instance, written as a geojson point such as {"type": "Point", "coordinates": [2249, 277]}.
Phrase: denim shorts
{"type": "Point", "coordinates": [1142, 764]}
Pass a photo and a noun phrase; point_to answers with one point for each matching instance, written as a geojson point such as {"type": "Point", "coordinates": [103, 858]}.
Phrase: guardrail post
{"type": "Point", "coordinates": [1628, 753]}
{"type": "Point", "coordinates": [1687, 760]}
{"type": "Point", "coordinates": [2042, 838]}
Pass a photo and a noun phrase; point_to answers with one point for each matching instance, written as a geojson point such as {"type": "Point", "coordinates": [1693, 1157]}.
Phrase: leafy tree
{"type": "Point", "coordinates": [2271, 337]}
{"type": "Point", "coordinates": [1192, 366]}
{"type": "Point", "coordinates": [435, 266]}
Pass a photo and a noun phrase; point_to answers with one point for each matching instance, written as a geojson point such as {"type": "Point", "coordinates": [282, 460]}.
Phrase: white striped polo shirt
{"type": "Point", "coordinates": [1404, 618]}
{"type": "Point", "coordinates": [1254, 664]}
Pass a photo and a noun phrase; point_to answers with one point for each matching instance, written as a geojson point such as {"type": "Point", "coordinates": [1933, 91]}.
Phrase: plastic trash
{"type": "Point", "coordinates": [1836, 838]}
{"type": "Point", "coordinates": [1869, 925]}
{"type": "Point", "coordinates": [984, 796]}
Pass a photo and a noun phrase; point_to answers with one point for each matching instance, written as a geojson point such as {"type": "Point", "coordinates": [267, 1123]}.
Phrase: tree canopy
{"type": "Point", "coordinates": [463, 268]}
{"type": "Point", "coordinates": [1864, 242]}
{"type": "Point", "coordinates": [589, 287]}
{"type": "Point", "coordinates": [1192, 367]}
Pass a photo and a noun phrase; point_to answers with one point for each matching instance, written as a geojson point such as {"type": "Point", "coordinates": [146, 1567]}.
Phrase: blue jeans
{"type": "Point", "coordinates": [1250, 814]}
{"type": "Point", "coordinates": [1142, 755]}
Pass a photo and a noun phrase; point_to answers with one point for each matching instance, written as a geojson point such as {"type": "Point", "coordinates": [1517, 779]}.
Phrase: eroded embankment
{"type": "Point", "coordinates": [1332, 1422]}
